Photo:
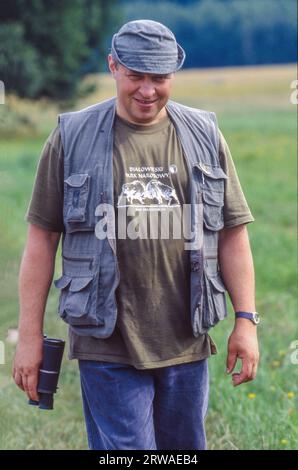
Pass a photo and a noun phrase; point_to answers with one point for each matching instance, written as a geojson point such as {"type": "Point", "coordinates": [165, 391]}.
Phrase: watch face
{"type": "Point", "coordinates": [256, 318]}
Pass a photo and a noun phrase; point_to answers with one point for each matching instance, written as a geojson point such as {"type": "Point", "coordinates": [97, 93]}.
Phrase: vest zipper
{"type": "Point", "coordinates": [103, 199]}
{"type": "Point", "coordinates": [198, 199]}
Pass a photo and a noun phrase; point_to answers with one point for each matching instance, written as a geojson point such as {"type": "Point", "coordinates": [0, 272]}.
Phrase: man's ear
{"type": "Point", "coordinates": [112, 65]}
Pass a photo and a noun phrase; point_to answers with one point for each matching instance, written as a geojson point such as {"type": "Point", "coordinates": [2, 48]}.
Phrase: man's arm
{"type": "Point", "coordinates": [237, 270]}
{"type": "Point", "coordinates": [35, 277]}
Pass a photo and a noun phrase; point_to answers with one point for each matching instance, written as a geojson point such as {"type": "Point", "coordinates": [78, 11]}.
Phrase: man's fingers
{"type": "Point", "coordinates": [25, 383]}
{"type": "Point", "coordinates": [32, 387]}
{"type": "Point", "coordinates": [245, 374]}
{"type": "Point", "coordinates": [18, 380]}
{"type": "Point", "coordinates": [254, 370]}
{"type": "Point", "coordinates": [231, 362]}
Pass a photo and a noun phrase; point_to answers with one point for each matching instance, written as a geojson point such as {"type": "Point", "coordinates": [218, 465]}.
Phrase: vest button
{"type": "Point", "coordinates": [204, 168]}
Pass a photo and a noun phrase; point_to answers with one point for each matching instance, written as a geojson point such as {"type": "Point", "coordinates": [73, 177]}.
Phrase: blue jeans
{"type": "Point", "coordinates": [127, 408]}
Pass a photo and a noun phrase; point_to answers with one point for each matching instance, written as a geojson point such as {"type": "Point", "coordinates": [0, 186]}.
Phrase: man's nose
{"type": "Point", "coordinates": [147, 89]}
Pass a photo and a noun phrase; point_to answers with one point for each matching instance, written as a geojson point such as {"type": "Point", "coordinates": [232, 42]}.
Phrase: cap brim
{"type": "Point", "coordinates": [150, 63]}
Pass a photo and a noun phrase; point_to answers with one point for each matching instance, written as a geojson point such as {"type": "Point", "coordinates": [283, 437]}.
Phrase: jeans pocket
{"type": "Point", "coordinates": [76, 189]}
{"type": "Point", "coordinates": [215, 305]}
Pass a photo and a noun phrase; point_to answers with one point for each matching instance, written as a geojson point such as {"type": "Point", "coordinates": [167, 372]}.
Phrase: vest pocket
{"type": "Point", "coordinates": [76, 189]}
{"type": "Point", "coordinates": [76, 305]}
{"type": "Point", "coordinates": [213, 209]}
{"type": "Point", "coordinates": [215, 305]}
{"type": "Point", "coordinates": [62, 283]}
{"type": "Point", "coordinates": [211, 180]}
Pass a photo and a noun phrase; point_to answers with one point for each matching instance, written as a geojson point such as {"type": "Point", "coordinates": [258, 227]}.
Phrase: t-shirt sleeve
{"type": "Point", "coordinates": [236, 209]}
{"type": "Point", "coordinates": [46, 205]}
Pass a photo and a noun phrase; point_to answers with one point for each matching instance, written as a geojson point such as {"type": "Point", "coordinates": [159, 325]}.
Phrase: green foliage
{"type": "Point", "coordinates": [19, 66]}
{"type": "Point", "coordinates": [46, 47]}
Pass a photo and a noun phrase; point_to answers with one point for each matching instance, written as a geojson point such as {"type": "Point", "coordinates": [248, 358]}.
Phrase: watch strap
{"type": "Point", "coordinates": [248, 315]}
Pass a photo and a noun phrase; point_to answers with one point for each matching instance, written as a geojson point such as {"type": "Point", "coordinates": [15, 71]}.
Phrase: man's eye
{"type": "Point", "coordinates": [159, 79]}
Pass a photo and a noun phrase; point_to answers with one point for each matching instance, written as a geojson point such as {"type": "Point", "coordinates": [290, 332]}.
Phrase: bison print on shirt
{"type": "Point", "coordinates": [154, 192]}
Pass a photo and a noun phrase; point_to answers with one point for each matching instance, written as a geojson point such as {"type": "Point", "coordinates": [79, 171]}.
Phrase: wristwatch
{"type": "Point", "coordinates": [254, 317]}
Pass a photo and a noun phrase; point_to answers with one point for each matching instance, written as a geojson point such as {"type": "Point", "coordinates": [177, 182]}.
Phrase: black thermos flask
{"type": "Point", "coordinates": [49, 372]}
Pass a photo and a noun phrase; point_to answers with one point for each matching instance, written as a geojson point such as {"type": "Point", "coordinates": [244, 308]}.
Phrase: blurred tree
{"type": "Point", "coordinates": [19, 68]}
{"type": "Point", "coordinates": [218, 33]}
{"type": "Point", "coordinates": [47, 46]}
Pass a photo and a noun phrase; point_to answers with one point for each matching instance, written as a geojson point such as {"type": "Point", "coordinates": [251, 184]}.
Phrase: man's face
{"type": "Point", "coordinates": [141, 98]}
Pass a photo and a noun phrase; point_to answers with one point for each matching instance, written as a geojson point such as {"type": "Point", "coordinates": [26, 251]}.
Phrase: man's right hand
{"type": "Point", "coordinates": [28, 358]}
{"type": "Point", "coordinates": [35, 278]}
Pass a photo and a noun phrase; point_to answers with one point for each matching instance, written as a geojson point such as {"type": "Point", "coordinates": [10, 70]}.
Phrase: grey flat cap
{"type": "Point", "coordinates": [147, 46]}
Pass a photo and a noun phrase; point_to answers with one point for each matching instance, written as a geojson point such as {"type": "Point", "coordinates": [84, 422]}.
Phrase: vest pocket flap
{"type": "Point", "coordinates": [77, 302]}
{"type": "Point", "coordinates": [79, 283]}
{"type": "Point", "coordinates": [77, 180]}
{"type": "Point", "coordinates": [62, 282]}
{"type": "Point", "coordinates": [215, 172]}
{"type": "Point", "coordinates": [217, 283]}
{"type": "Point", "coordinates": [215, 198]}
{"type": "Point", "coordinates": [214, 303]}
{"type": "Point", "coordinates": [77, 189]}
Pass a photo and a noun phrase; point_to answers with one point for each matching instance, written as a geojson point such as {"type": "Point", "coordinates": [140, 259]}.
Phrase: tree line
{"type": "Point", "coordinates": [217, 33]}
{"type": "Point", "coordinates": [47, 46]}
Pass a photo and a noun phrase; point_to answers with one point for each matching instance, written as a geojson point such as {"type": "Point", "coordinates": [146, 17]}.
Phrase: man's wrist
{"type": "Point", "coordinates": [244, 324]}
{"type": "Point", "coordinates": [249, 316]}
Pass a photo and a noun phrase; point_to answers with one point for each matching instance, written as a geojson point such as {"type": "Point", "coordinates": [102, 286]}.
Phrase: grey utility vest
{"type": "Point", "coordinates": [90, 272]}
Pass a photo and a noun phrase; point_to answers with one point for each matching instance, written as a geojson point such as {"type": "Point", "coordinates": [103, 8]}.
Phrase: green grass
{"type": "Point", "coordinates": [259, 124]}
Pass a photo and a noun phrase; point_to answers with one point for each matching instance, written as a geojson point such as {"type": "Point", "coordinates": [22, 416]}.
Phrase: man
{"type": "Point", "coordinates": [139, 305]}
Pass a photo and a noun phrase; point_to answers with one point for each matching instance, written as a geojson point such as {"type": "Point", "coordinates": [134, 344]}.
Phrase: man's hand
{"type": "Point", "coordinates": [243, 345]}
{"type": "Point", "coordinates": [26, 365]}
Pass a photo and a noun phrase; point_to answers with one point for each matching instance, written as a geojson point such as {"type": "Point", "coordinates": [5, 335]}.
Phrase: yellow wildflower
{"type": "Point", "coordinates": [251, 396]}
{"type": "Point", "coordinates": [291, 394]}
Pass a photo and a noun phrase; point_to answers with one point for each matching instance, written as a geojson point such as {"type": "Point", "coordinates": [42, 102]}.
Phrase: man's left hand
{"type": "Point", "coordinates": [243, 345]}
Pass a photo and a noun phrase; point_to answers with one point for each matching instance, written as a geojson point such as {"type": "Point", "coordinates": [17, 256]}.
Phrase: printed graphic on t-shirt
{"type": "Point", "coordinates": [148, 187]}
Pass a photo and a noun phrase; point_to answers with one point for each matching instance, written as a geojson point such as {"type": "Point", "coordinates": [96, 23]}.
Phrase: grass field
{"type": "Point", "coordinates": [259, 122]}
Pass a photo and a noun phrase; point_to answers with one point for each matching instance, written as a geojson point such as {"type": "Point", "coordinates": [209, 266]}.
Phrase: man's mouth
{"type": "Point", "coordinates": [146, 103]}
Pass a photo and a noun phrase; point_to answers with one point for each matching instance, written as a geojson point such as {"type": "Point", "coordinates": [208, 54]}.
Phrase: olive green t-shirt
{"type": "Point", "coordinates": [153, 327]}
